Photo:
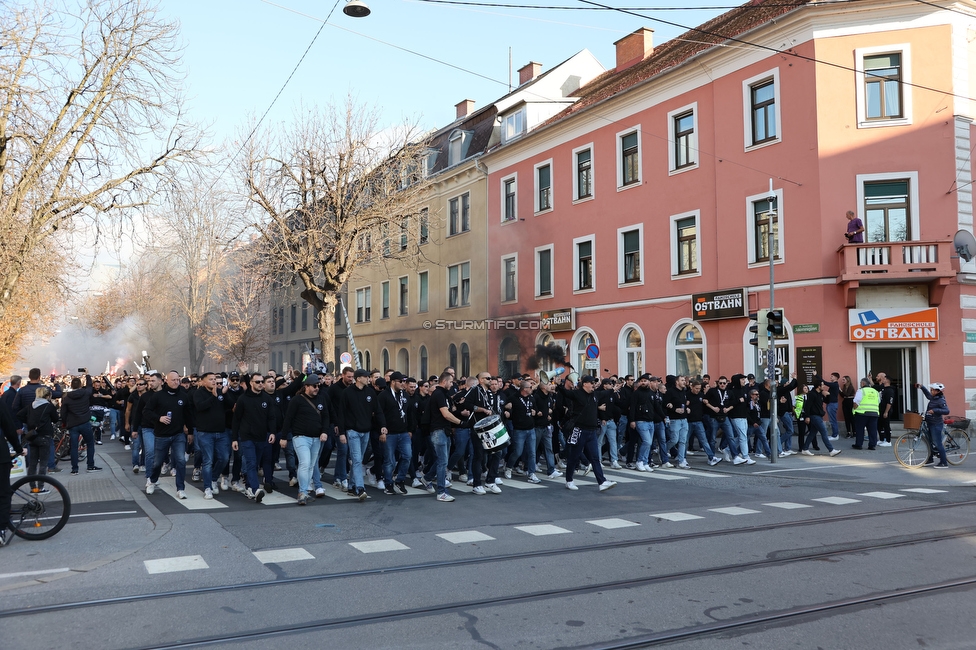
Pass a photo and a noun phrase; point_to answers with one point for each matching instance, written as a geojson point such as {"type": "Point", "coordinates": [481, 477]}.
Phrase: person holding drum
{"type": "Point", "coordinates": [582, 438]}
{"type": "Point", "coordinates": [490, 435]}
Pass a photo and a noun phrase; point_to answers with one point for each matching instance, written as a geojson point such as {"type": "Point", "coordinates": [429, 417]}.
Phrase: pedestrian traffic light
{"type": "Point", "coordinates": [774, 322]}
{"type": "Point", "coordinates": [758, 329]}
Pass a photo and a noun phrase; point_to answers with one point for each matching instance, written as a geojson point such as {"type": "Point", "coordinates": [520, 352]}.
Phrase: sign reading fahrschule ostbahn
{"type": "Point", "coordinates": [894, 324]}
{"type": "Point", "coordinates": [713, 305]}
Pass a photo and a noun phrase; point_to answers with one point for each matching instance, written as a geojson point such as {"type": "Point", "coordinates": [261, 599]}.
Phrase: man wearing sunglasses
{"type": "Point", "coordinates": [253, 434]}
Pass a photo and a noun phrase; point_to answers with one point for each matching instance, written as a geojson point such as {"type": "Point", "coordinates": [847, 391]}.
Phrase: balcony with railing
{"type": "Point", "coordinates": [897, 262]}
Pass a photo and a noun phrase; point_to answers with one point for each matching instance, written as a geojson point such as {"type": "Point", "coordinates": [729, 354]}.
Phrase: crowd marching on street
{"type": "Point", "coordinates": [391, 430]}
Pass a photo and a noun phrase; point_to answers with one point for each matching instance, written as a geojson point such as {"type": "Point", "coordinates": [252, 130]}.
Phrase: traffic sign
{"type": "Point", "coordinates": [345, 357]}
{"type": "Point", "coordinates": [592, 351]}
{"type": "Point", "coordinates": [591, 365]}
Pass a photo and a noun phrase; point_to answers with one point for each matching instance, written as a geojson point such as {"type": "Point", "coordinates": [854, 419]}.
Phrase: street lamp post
{"type": "Point", "coordinates": [771, 347]}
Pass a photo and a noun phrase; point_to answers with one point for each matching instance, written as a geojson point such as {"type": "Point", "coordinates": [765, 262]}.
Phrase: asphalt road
{"type": "Point", "coordinates": [845, 552]}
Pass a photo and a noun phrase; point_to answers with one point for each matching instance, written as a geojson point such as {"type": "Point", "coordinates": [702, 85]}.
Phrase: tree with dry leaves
{"type": "Point", "coordinates": [327, 186]}
{"type": "Point", "coordinates": [90, 121]}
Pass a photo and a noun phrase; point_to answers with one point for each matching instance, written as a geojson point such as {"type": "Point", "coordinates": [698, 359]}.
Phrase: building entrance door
{"type": "Point", "coordinates": [901, 366]}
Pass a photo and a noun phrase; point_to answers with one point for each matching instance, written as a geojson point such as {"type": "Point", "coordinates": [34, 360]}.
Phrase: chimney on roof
{"type": "Point", "coordinates": [529, 71]}
{"type": "Point", "coordinates": [634, 48]}
{"type": "Point", "coordinates": [464, 107]}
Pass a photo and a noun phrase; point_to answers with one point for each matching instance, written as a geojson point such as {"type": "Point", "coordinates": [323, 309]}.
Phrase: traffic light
{"type": "Point", "coordinates": [774, 322]}
{"type": "Point", "coordinates": [758, 329]}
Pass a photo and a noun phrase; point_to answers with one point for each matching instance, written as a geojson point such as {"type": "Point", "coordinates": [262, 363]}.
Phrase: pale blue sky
{"type": "Point", "coordinates": [239, 52]}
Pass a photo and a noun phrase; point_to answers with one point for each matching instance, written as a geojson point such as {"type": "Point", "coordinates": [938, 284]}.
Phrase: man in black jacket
{"type": "Point", "coordinates": [346, 380]}
{"type": "Point", "coordinates": [394, 403]}
{"type": "Point", "coordinates": [253, 432]}
{"type": "Point", "coordinates": [211, 438]}
{"type": "Point", "coordinates": [8, 435]}
{"type": "Point", "coordinates": [306, 427]}
{"type": "Point", "coordinates": [76, 416]}
{"type": "Point", "coordinates": [718, 401]}
{"type": "Point", "coordinates": [585, 413]}
{"type": "Point", "coordinates": [358, 408]}
{"type": "Point", "coordinates": [172, 410]}
{"type": "Point", "coordinates": [646, 417]}
{"type": "Point", "coordinates": [521, 411]}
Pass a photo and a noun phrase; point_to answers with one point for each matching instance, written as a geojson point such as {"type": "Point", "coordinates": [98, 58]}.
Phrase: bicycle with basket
{"type": "Point", "coordinates": [914, 447]}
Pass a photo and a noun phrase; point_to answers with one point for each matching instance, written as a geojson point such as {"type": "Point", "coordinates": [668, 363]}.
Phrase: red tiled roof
{"type": "Point", "coordinates": [676, 51]}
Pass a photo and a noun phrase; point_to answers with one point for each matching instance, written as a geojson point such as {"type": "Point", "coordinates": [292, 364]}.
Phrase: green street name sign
{"type": "Point", "coordinates": [806, 328]}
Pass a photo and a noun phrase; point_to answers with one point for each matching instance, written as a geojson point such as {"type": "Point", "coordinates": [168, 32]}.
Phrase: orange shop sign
{"type": "Point", "coordinates": [894, 324]}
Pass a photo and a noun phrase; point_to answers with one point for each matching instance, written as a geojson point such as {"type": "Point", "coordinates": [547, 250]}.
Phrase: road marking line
{"type": "Point", "coordinates": [881, 495]}
{"type": "Point", "coordinates": [379, 546]}
{"type": "Point", "coordinates": [98, 514]}
{"type": "Point", "coordinates": [788, 505]}
{"type": "Point", "coordinates": [173, 564]}
{"type": "Point", "coordinates": [924, 491]}
{"type": "Point", "coordinates": [277, 499]}
{"type": "Point", "coordinates": [543, 529]}
{"type": "Point", "coordinates": [819, 467]}
{"type": "Point", "coordinates": [837, 501]}
{"type": "Point", "coordinates": [465, 537]}
{"type": "Point", "coordinates": [676, 516]}
{"type": "Point", "coordinates": [23, 574]}
{"type": "Point", "coordinates": [521, 485]}
{"type": "Point", "coordinates": [562, 480]}
{"type": "Point", "coordinates": [277, 556]}
{"type": "Point", "coordinates": [612, 523]}
{"type": "Point", "coordinates": [194, 498]}
{"type": "Point", "coordinates": [734, 511]}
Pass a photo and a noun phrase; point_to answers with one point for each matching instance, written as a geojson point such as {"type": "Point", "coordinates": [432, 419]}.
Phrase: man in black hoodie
{"type": "Point", "coordinates": [76, 416]}
{"type": "Point", "coordinates": [211, 438]}
{"type": "Point", "coordinates": [739, 416]}
{"type": "Point", "coordinates": [585, 413]}
{"type": "Point", "coordinates": [358, 408]}
{"type": "Point", "coordinates": [253, 432]}
{"type": "Point", "coordinates": [172, 410]}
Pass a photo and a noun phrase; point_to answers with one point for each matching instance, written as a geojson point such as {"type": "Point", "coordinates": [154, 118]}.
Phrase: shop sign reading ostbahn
{"type": "Point", "coordinates": [894, 324]}
{"type": "Point", "coordinates": [714, 305]}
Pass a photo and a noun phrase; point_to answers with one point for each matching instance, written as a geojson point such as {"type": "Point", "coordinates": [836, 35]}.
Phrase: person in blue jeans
{"type": "Point", "coordinates": [440, 416]}
{"type": "Point", "coordinates": [936, 408]}
{"type": "Point", "coordinates": [76, 414]}
{"type": "Point", "coordinates": [359, 405]}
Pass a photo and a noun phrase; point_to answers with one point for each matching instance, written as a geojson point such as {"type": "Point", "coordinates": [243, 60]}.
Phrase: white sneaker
{"type": "Point", "coordinates": [589, 468]}
{"type": "Point", "coordinates": [381, 484]}
{"type": "Point", "coordinates": [508, 473]}
{"type": "Point", "coordinates": [750, 461]}
{"type": "Point", "coordinates": [469, 482]}
{"type": "Point", "coordinates": [224, 485]}
{"type": "Point", "coordinates": [494, 489]}
{"type": "Point", "coordinates": [164, 469]}
{"type": "Point", "coordinates": [319, 493]}
{"type": "Point", "coordinates": [715, 461]}
{"type": "Point", "coordinates": [689, 453]}
{"type": "Point", "coordinates": [561, 464]}
{"type": "Point", "coordinates": [463, 477]}
{"type": "Point", "coordinates": [606, 485]}
{"type": "Point", "coordinates": [555, 474]}
{"type": "Point", "coordinates": [684, 465]}
{"type": "Point", "coordinates": [833, 438]}
{"type": "Point", "coordinates": [292, 482]}
{"type": "Point", "coordinates": [760, 455]}
{"type": "Point", "coordinates": [498, 481]}
{"type": "Point", "coordinates": [807, 452]}
{"type": "Point", "coordinates": [128, 447]}
{"type": "Point", "coordinates": [726, 456]}
{"type": "Point", "coordinates": [835, 452]}
{"type": "Point", "coordinates": [533, 479]}
{"type": "Point", "coordinates": [667, 464]}
{"type": "Point", "coordinates": [214, 487]}
{"type": "Point", "coordinates": [370, 478]}
{"type": "Point", "coordinates": [641, 467]}
{"type": "Point", "coordinates": [208, 494]}
{"type": "Point", "coordinates": [180, 494]}
{"type": "Point", "coordinates": [738, 460]}
{"type": "Point", "coordinates": [479, 490]}
{"type": "Point", "coordinates": [114, 436]}
{"type": "Point", "coordinates": [416, 483]}
{"type": "Point", "coordinates": [248, 493]}
{"type": "Point", "coordinates": [447, 482]}
{"type": "Point", "coordinates": [615, 465]}
{"type": "Point", "coordinates": [884, 444]}
{"type": "Point", "coordinates": [571, 486]}
{"type": "Point", "coordinates": [196, 475]}
{"type": "Point", "coordinates": [150, 487]}
{"type": "Point", "coordinates": [445, 497]}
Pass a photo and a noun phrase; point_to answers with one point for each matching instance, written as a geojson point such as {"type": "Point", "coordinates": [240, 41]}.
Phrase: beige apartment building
{"type": "Point", "coordinates": [418, 312]}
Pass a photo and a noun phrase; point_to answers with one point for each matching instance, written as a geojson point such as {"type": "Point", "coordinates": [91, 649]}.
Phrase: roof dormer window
{"type": "Point", "coordinates": [513, 125]}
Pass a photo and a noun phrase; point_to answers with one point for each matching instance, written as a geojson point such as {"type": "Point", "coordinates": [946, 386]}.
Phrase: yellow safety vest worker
{"type": "Point", "coordinates": [870, 402]}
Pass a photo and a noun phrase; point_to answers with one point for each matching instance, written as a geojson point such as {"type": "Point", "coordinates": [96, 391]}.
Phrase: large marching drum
{"type": "Point", "coordinates": [492, 432]}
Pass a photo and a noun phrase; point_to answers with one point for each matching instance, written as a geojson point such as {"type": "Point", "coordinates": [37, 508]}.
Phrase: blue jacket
{"type": "Point", "coordinates": [937, 404]}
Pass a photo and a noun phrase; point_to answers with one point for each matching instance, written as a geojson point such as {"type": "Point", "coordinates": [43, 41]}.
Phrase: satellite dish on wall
{"type": "Point", "coordinates": [965, 245]}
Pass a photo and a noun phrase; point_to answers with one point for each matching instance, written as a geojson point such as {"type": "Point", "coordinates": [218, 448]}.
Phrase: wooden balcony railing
{"type": "Point", "coordinates": [902, 262]}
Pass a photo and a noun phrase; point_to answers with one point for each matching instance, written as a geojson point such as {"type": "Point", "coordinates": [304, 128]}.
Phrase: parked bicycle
{"type": "Point", "coordinates": [39, 508]}
{"type": "Point", "coordinates": [62, 445]}
{"type": "Point", "coordinates": [914, 447]}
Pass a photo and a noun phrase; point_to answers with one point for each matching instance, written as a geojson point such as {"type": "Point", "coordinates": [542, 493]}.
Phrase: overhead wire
{"type": "Point", "coordinates": [678, 8]}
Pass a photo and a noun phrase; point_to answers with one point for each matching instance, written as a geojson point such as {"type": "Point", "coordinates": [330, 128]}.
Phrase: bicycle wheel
{"type": "Point", "coordinates": [912, 449]}
{"type": "Point", "coordinates": [41, 514]}
{"type": "Point", "coordinates": [956, 445]}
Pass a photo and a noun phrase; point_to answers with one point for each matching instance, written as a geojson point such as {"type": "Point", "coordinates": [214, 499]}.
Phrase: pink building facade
{"type": "Point", "coordinates": [650, 196]}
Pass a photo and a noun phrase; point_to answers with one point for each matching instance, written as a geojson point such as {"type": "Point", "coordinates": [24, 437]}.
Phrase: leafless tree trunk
{"type": "Point", "coordinates": [90, 120]}
{"type": "Point", "coordinates": [324, 189]}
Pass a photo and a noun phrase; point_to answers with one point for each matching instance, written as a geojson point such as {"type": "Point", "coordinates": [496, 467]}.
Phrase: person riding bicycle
{"type": "Point", "coordinates": [933, 418]}
{"type": "Point", "coordinates": [12, 441]}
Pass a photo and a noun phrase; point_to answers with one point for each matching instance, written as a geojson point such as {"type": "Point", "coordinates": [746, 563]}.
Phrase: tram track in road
{"type": "Point", "coordinates": [527, 555]}
{"type": "Point", "coordinates": [718, 627]}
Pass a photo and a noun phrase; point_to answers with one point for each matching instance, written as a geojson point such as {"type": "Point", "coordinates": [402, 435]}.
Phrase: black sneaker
{"type": "Point", "coordinates": [941, 466]}
{"type": "Point", "coordinates": [5, 537]}
{"type": "Point", "coordinates": [362, 495]}
{"type": "Point", "coordinates": [94, 469]}
{"type": "Point", "coordinates": [401, 488]}
{"type": "Point", "coordinates": [269, 487]}
{"type": "Point", "coordinates": [74, 472]}
{"type": "Point", "coordinates": [389, 490]}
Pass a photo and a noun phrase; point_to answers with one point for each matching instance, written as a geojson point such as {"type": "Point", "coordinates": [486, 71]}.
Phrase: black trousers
{"type": "Point", "coordinates": [5, 491]}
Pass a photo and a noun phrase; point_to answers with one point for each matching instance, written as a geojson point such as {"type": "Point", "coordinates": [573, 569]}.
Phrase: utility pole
{"type": "Point", "coordinates": [771, 348]}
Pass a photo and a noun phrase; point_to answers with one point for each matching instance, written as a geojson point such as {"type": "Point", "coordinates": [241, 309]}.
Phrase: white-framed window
{"type": "Point", "coordinates": [761, 110]}
{"type": "Point", "coordinates": [459, 214]}
{"type": "Point", "coordinates": [513, 125]}
{"type": "Point", "coordinates": [683, 138]}
{"type": "Point", "coordinates": [459, 285]}
{"type": "Point", "coordinates": [385, 299]}
{"type": "Point", "coordinates": [423, 291]}
{"type": "Point", "coordinates": [584, 263]}
{"type": "Point", "coordinates": [883, 85]}
{"type": "Point", "coordinates": [758, 222]}
{"type": "Point", "coordinates": [583, 177]}
{"type": "Point", "coordinates": [404, 289]}
{"type": "Point", "coordinates": [686, 349]}
{"type": "Point", "coordinates": [363, 306]}
{"type": "Point", "coordinates": [583, 338]}
{"type": "Point", "coordinates": [631, 350]}
{"type": "Point", "coordinates": [424, 234]}
{"type": "Point", "coordinates": [543, 272]}
{"type": "Point", "coordinates": [628, 157]}
{"type": "Point", "coordinates": [630, 245]}
{"type": "Point", "coordinates": [509, 189]}
{"type": "Point", "coordinates": [510, 278]}
{"type": "Point", "coordinates": [888, 206]}
{"type": "Point", "coordinates": [685, 261]}
{"type": "Point", "coordinates": [543, 186]}
{"type": "Point", "coordinates": [455, 150]}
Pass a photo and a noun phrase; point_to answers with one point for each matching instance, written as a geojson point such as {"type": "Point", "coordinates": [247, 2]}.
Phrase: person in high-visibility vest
{"type": "Point", "coordinates": [867, 402]}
